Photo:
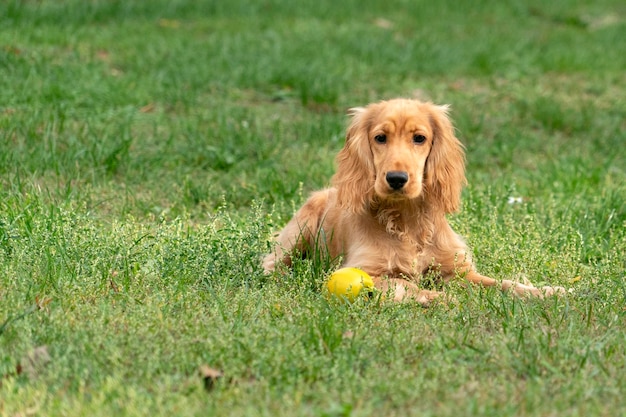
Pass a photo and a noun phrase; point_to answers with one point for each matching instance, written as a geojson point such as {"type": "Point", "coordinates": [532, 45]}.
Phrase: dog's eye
{"type": "Point", "coordinates": [380, 138]}
{"type": "Point", "coordinates": [419, 139]}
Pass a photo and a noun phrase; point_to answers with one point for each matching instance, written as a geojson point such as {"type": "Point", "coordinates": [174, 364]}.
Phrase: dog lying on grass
{"type": "Point", "coordinates": [399, 173]}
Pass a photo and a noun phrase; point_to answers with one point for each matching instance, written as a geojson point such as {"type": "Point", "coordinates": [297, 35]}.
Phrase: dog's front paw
{"type": "Point", "coordinates": [428, 298]}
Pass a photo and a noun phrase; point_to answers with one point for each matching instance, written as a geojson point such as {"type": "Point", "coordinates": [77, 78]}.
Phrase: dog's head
{"type": "Point", "coordinates": [400, 150]}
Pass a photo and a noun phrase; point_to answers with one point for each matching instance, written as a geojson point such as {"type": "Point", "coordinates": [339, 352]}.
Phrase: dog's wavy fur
{"type": "Point", "coordinates": [399, 173]}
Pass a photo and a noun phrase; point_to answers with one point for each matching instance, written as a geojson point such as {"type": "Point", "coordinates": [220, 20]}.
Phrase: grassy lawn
{"type": "Point", "coordinates": [149, 150]}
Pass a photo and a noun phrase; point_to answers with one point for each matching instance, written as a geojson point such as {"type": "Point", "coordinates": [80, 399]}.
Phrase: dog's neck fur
{"type": "Point", "coordinates": [406, 220]}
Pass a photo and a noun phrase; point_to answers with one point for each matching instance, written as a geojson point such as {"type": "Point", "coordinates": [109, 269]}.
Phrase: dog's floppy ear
{"type": "Point", "coordinates": [445, 167]}
{"type": "Point", "coordinates": [355, 169]}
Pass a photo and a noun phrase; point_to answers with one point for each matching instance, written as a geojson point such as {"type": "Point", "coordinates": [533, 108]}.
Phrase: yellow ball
{"type": "Point", "coordinates": [347, 283]}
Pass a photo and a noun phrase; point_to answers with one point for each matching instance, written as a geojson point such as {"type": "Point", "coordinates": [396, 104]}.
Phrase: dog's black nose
{"type": "Point", "coordinates": [397, 179]}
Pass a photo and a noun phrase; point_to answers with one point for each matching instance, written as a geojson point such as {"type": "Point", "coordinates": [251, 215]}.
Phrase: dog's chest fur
{"type": "Point", "coordinates": [391, 243]}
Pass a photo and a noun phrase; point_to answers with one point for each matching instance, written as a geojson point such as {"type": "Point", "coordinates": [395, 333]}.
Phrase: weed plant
{"type": "Point", "coordinates": [150, 149]}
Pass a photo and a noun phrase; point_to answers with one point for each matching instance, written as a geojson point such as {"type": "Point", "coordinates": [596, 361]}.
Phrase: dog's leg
{"type": "Point", "coordinates": [300, 234]}
{"type": "Point", "coordinates": [508, 285]}
{"type": "Point", "coordinates": [403, 290]}
{"type": "Point", "coordinates": [287, 240]}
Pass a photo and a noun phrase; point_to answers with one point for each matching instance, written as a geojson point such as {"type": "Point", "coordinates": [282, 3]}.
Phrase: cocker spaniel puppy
{"type": "Point", "coordinates": [400, 172]}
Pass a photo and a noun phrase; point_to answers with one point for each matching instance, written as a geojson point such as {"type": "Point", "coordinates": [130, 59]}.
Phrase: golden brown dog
{"type": "Point", "coordinates": [400, 172]}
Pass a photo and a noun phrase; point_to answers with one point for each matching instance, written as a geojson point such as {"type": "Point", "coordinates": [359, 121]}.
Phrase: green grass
{"type": "Point", "coordinates": [149, 149]}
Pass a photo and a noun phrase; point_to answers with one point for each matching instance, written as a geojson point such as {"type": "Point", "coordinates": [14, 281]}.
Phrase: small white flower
{"type": "Point", "coordinates": [515, 200]}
